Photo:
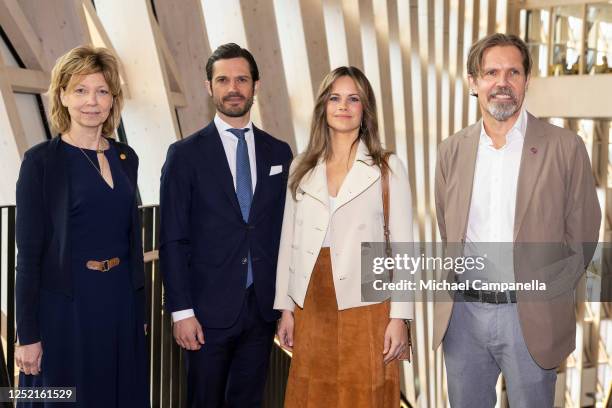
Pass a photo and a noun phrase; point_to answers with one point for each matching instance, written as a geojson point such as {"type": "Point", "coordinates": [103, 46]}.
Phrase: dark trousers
{"type": "Point", "coordinates": [231, 367]}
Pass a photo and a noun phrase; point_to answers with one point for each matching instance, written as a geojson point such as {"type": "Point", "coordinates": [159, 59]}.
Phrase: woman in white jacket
{"type": "Point", "coordinates": [345, 350]}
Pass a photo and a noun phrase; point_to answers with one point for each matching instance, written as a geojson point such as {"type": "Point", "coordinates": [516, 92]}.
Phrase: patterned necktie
{"type": "Point", "coordinates": [244, 186]}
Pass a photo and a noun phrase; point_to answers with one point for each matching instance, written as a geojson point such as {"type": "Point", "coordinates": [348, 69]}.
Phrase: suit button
{"type": "Point", "coordinates": [244, 261]}
{"type": "Point", "coordinates": [310, 251]}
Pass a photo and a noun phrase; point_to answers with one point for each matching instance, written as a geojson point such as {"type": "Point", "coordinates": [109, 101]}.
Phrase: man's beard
{"type": "Point", "coordinates": [502, 111]}
{"type": "Point", "coordinates": [234, 111]}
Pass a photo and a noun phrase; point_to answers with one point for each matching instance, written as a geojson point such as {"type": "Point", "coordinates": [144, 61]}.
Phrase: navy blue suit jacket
{"type": "Point", "coordinates": [43, 236]}
{"type": "Point", "coordinates": [204, 241]}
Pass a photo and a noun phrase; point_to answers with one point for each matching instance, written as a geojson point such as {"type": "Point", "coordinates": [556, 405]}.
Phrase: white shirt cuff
{"type": "Point", "coordinates": [182, 314]}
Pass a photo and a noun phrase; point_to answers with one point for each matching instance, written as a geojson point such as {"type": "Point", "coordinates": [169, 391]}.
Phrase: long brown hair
{"type": "Point", "coordinates": [319, 145]}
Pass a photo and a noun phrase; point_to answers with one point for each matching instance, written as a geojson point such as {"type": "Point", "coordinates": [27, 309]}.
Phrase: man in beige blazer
{"type": "Point", "coordinates": [516, 179]}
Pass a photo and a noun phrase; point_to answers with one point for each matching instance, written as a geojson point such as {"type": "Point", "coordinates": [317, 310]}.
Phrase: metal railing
{"type": "Point", "coordinates": [166, 360]}
{"type": "Point", "coordinates": [7, 267]}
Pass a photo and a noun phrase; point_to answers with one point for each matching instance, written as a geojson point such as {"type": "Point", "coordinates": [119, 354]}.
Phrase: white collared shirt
{"type": "Point", "coordinates": [230, 145]}
{"type": "Point", "coordinates": [492, 208]}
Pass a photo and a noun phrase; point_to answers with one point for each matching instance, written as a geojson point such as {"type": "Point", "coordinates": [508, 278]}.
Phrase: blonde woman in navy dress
{"type": "Point", "coordinates": [80, 276]}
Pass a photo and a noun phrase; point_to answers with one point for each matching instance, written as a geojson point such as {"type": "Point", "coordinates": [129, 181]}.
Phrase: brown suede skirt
{"type": "Point", "coordinates": [338, 354]}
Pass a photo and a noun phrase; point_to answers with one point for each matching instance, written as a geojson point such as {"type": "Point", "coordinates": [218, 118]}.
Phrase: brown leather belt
{"type": "Point", "coordinates": [102, 266]}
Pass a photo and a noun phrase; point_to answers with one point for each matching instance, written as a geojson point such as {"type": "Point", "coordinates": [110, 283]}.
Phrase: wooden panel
{"type": "Point", "coordinates": [178, 99]}
{"type": "Point", "coordinates": [575, 96]}
{"type": "Point", "coordinates": [381, 25]}
{"type": "Point", "coordinates": [453, 49]}
{"type": "Point", "coordinates": [296, 65]}
{"type": "Point", "coordinates": [540, 4]}
{"type": "Point", "coordinates": [405, 43]}
{"type": "Point", "coordinates": [59, 24]}
{"type": "Point", "coordinates": [264, 44]}
{"type": "Point", "coordinates": [396, 77]}
{"type": "Point", "coordinates": [491, 26]}
{"type": "Point", "coordinates": [27, 80]}
{"type": "Point", "coordinates": [471, 23]}
{"type": "Point", "coordinates": [371, 64]}
{"type": "Point", "coordinates": [184, 28]}
{"type": "Point", "coordinates": [460, 88]}
{"type": "Point", "coordinates": [335, 33]}
{"type": "Point", "coordinates": [512, 22]}
{"type": "Point", "coordinates": [13, 140]}
{"type": "Point", "coordinates": [313, 24]}
{"type": "Point", "coordinates": [22, 35]}
{"type": "Point", "coordinates": [175, 82]}
{"type": "Point", "coordinates": [352, 23]}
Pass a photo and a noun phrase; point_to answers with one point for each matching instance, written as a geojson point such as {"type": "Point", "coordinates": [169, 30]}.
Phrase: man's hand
{"type": "Point", "coordinates": [28, 358]}
{"type": "Point", "coordinates": [285, 330]}
{"type": "Point", "coordinates": [188, 333]}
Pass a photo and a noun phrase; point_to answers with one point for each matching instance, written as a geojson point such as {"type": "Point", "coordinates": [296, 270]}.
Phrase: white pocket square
{"type": "Point", "coordinates": [276, 169]}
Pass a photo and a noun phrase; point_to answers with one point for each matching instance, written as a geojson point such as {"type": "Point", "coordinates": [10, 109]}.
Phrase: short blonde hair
{"type": "Point", "coordinates": [79, 61]}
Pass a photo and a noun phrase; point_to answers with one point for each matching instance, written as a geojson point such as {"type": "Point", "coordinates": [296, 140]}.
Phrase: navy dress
{"type": "Point", "coordinates": [95, 341]}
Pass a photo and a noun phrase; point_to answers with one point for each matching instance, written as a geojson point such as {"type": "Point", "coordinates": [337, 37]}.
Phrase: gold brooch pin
{"type": "Point", "coordinates": [122, 156]}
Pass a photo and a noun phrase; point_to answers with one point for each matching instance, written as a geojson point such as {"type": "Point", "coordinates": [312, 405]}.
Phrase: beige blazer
{"type": "Point", "coordinates": [556, 203]}
{"type": "Point", "coordinates": [357, 218]}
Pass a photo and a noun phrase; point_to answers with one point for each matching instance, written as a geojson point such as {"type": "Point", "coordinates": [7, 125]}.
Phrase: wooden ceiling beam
{"type": "Point", "coordinates": [27, 80]}
{"type": "Point", "coordinates": [22, 35]}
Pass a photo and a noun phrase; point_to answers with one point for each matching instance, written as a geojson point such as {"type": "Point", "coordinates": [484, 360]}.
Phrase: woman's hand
{"type": "Point", "coordinates": [28, 358]}
{"type": "Point", "coordinates": [285, 330]}
{"type": "Point", "coordinates": [396, 340]}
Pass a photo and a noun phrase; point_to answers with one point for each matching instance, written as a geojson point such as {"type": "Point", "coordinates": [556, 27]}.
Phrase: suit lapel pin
{"type": "Point", "coordinates": [533, 150]}
{"type": "Point", "coordinates": [122, 156]}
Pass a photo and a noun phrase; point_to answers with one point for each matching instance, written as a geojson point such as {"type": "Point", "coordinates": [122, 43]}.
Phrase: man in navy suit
{"type": "Point", "coordinates": [222, 199]}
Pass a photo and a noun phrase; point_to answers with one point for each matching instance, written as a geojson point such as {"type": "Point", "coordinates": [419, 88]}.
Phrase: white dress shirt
{"type": "Point", "coordinates": [230, 145]}
{"type": "Point", "coordinates": [491, 216]}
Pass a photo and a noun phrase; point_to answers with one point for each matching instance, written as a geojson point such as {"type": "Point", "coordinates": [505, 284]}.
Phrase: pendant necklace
{"type": "Point", "coordinates": [98, 151]}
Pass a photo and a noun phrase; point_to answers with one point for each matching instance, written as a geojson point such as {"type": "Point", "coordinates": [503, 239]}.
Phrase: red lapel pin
{"type": "Point", "coordinates": [533, 150]}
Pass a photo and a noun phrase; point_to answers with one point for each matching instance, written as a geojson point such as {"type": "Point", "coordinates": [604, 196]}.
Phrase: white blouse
{"type": "Point", "coordinates": [332, 207]}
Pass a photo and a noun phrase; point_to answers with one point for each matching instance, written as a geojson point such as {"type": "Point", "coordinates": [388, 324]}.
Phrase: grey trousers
{"type": "Point", "coordinates": [483, 340]}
